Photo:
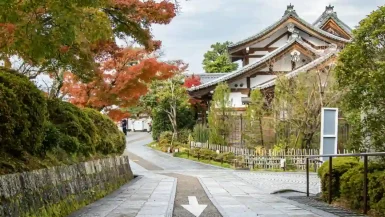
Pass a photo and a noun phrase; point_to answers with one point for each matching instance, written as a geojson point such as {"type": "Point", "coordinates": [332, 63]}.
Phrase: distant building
{"type": "Point", "coordinates": [290, 46]}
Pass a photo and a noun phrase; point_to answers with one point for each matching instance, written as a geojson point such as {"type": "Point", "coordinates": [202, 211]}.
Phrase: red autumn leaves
{"type": "Point", "coordinates": [120, 82]}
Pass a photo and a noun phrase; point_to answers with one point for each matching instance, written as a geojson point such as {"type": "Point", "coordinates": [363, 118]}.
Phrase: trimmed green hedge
{"type": "Point", "coordinates": [340, 166]}
{"type": "Point", "coordinates": [78, 133]}
{"type": "Point", "coordinates": [348, 184]}
{"type": "Point", "coordinates": [111, 139]}
{"type": "Point", "coordinates": [23, 114]}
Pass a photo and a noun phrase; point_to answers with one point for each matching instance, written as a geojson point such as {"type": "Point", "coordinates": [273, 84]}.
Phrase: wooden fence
{"type": "Point", "coordinates": [269, 159]}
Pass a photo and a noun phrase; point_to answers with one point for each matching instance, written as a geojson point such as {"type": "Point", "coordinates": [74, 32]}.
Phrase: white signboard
{"type": "Point", "coordinates": [329, 131]}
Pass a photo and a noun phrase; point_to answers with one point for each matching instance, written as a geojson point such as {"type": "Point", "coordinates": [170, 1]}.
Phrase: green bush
{"type": "Point", "coordinates": [201, 133]}
{"type": "Point", "coordinates": [111, 139]}
{"type": "Point", "coordinates": [78, 133]}
{"type": "Point", "coordinates": [165, 138]}
{"type": "Point", "coordinates": [376, 188]}
{"type": "Point", "coordinates": [161, 122]}
{"type": "Point", "coordinates": [52, 138]}
{"type": "Point", "coordinates": [183, 136]}
{"type": "Point", "coordinates": [208, 154]}
{"type": "Point", "coordinates": [340, 166]}
{"type": "Point", "coordinates": [23, 114]}
{"type": "Point", "coordinates": [352, 187]}
{"type": "Point", "coordinates": [227, 157]}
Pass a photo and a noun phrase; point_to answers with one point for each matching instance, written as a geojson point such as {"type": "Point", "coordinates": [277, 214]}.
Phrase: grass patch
{"type": "Point", "coordinates": [211, 162]}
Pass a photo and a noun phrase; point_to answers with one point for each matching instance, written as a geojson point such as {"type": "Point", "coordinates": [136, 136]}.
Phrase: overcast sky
{"type": "Point", "coordinates": [204, 22]}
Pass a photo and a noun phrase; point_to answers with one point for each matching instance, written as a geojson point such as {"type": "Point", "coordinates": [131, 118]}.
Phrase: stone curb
{"type": "Point", "coordinates": [171, 202]}
{"type": "Point", "coordinates": [212, 199]}
{"type": "Point", "coordinates": [308, 208]}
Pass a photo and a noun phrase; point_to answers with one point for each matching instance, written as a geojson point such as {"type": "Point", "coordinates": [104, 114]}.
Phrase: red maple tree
{"type": "Point", "coordinates": [119, 83]}
{"type": "Point", "coordinates": [192, 81]}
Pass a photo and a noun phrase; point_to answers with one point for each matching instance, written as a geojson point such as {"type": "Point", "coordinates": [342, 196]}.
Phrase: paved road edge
{"type": "Point", "coordinates": [215, 203]}
{"type": "Point", "coordinates": [171, 202]}
{"type": "Point", "coordinates": [308, 208]}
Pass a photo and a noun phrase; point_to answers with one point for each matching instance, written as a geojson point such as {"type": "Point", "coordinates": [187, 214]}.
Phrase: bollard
{"type": "Point", "coordinates": [222, 161]}
{"type": "Point", "coordinates": [330, 179]}
{"type": "Point", "coordinates": [365, 184]}
{"type": "Point", "coordinates": [307, 177]}
{"type": "Point", "coordinates": [188, 154]}
{"type": "Point", "coordinates": [198, 156]}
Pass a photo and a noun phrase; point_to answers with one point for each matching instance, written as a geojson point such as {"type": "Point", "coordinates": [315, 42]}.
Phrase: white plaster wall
{"type": "Point", "coordinates": [271, 38]}
{"type": "Point", "coordinates": [253, 60]}
{"type": "Point", "coordinates": [280, 42]}
{"type": "Point", "coordinates": [314, 40]}
{"type": "Point", "coordinates": [260, 79]}
{"type": "Point", "coordinates": [284, 64]}
{"type": "Point", "coordinates": [239, 82]}
{"type": "Point", "coordinates": [236, 99]}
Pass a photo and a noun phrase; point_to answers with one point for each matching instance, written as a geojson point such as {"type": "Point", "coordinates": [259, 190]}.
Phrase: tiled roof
{"type": "Point", "coordinates": [248, 67]}
{"type": "Point", "coordinates": [304, 68]}
{"type": "Point", "coordinates": [330, 14]}
{"type": "Point", "coordinates": [282, 20]}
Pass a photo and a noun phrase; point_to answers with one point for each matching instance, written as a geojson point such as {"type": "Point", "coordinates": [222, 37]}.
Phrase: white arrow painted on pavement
{"type": "Point", "coordinates": [194, 206]}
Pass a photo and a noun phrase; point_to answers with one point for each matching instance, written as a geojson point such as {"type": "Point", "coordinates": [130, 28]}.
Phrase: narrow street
{"type": "Point", "coordinates": [168, 186]}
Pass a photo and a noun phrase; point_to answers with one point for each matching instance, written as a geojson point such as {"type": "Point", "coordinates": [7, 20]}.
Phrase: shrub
{"type": "Point", "coordinates": [165, 138]}
{"type": "Point", "coordinates": [112, 140]}
{"type": "Point", "coordinates": [183, 136]}
{"type": "Point", "coordinates": [23, 114]}
{"type": "Point", "coordinates": [208, 154]}
{"type": "Point", "coordinates": [201, 133]}
{"type": "Point", "coordinates": [161, 122]}
{"type": "Point", "coordinates": [340, 166]}
{"type": "Point", "coordinates": [352, 186]}
{"type": "Point", "coordinates": [227, 157]}
{"type": "Point", "coordinates": [195, 152]}
{"type": "Point", "coordinates": [376, 188]}
{"type": "Point", "coordinates": [52, 138]}
{"type": "Point", "coordinates": [77, 131]}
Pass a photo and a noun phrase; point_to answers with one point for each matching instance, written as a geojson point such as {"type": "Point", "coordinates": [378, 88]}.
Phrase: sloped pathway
{"type": "Point", "coordinates": [231, 193]}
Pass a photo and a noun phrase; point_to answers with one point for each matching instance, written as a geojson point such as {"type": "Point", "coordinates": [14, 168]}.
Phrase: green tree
{"type": "Point", "coordinates": [169, 104]}
{"type": "Point", "coordinates": [49, 35]}
{"type": "Point", "coordinates": [217, 59]}
{"type": "Point", "coordinates": [171, 98]}
{"type": "Point", "coordinates": [298, 102]}
{"type": "Point", "coordinates": [255, 111]}
{"type": "Point", "coordinates": [220, 115]}
{"type": "Point", "coordinates": [361, 71]}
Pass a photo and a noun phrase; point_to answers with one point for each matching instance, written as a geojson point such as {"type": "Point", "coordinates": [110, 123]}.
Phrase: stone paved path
{"type": "Point", "coordinates": [233, 193]}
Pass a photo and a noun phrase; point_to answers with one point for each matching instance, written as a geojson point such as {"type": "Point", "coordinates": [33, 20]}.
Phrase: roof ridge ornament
{"type": "Point", "coordinates": [291, 27]}
{"type": "Point", "coordinates": [294, 35]}
{"type": "Point", "coordinates": [329, 9]}
{"type": "Point", "coordinates": [290, 10]}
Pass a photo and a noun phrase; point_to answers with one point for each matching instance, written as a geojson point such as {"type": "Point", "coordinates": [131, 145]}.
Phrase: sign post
{"type": "Point", "coordinates": [329, 131]}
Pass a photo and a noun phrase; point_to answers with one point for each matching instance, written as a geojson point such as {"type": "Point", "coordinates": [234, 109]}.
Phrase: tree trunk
{"type": "Point", "coordinates": [261, 131]}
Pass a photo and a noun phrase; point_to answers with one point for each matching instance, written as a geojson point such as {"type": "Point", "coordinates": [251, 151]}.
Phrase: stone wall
{"type": "Point", "coordinates": [58, 191]}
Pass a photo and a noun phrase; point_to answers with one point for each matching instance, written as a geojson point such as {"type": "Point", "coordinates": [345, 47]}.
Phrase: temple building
{"type": "Point", "coordinates": [290, 46]}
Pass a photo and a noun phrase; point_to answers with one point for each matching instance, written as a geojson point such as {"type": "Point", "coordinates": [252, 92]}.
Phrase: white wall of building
{"type": "Point", "coordinates": [260, 79]}
{"type": "Point", "coordinates": [237, 84]}
{"type": "Point", "coordinates": [271, 38]}
{"type": "Point", "coordinates": [282, 41]}
{"type": "Point", "coordinates": [236, 99]}
{"type": "Point", "coordinates": [313, 40]}
{"type": "Point", "coordinates": [284, 63]}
